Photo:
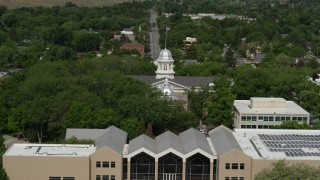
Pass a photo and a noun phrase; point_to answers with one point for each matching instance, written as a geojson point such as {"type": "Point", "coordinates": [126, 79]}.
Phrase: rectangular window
{"type": "Point", "coordinates": [68, 178]}
{"type": "Point", "coordinates": [259, 126]}
{"type": "Point", "coordinates": [270, 118]}
{"type": "Point", "coordinates": [98, 177]}
{"type": "Point", "coordinates": [243, 118]}
{"type": "Point", "coordinates": [243, 126]}
{"type": "Point", "coordinates": [241, 165]}
{"type": "Point", "coordinates": [300, 119]}
{"type": "Point", "coordinates": [254, 118]}
{"type": "Point", "coordinates": [278, 118]}
{"type": "Point", "coordinates": [235, 166]}
{"type": "Point", "coordinates": [254, 127]}
{"type": "Point", "coordinates": [287, 118]}
{"type": "Point", "coordinates": [294, 118]}
{"type": "Point", "coordinates": [105, 177]}
{"type": "Point", "coordinates": [234, 178]}
{"type": "Point", "coordinates": [98, 164]}
{"type": "Point", "coordinates": [249, 126]}
{"type": "Point", "coordinates": [113, 177]}
{"type": "Point", "coordinates": [227, 178]}
{"type": "Point", "coordinates": [260, 118]}
{"type": "Point", "coordinates": [105, 164]}
{"type": "Point", "coordinates": [305, 119]}
{"type": "Point", "coordinates": [113, 164]}
{"type": "Point", "coordinates": [227, 165]}
{"type": "Point", "coordinates": [249, 118]}
{"type": "Point", "coordinates": [54, 178]}
{"type": "Point", "coordinates": [241, 178]}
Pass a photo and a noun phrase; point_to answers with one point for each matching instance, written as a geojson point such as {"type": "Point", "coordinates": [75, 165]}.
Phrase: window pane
{"type": "Point", "coordinates": [234, 178]}
{"type": "Point", "coordinates": [241, 165]}
{"type": "Point", "coordinates": [68, 178]}
{"type": "Point", "coordinates": [241, 178]}
{"type": "Point", "coordinates": [113, 164]}
{"type": "Point", "coordinates": [227, 165]}
{"type": "Point", "coordinates": [105, 177]}
{"type": "Point", "coordinates": [234, 165]}
{"type": "Point", "coordinates": [54, 178]}
{"type": "Point", "coordinates": [113, 177]}
{"type": "Point", "coordinates": [227, 178]}
{"type": "Point", "coordinates": [98, 177]}
{"type": "Point", "coordinates": [98, 164]}
{"type": "Point", "coordinates": [105, 164]}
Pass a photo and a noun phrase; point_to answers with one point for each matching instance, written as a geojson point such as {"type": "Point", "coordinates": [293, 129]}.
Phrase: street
{"type": "Point", "coordinates": [154, 35]}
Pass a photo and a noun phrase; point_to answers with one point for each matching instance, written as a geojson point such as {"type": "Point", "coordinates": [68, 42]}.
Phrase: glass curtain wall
{"type": "Point", "coordinates": [142, 167]}
{"type": "Point", "coordinates": [170, 167]}
{"type": "Point", "coordinates": [198, 167]}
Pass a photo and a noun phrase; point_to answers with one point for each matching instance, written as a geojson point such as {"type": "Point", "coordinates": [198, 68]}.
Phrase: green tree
{"type": "Point", "coordinates": [230, 58]}
{"type": "Point", "coordinates": [281, 170]}
{"type": "Point", "coordinates": [85, 41]}
{"type": "Point", "coordinates": [220, 107]}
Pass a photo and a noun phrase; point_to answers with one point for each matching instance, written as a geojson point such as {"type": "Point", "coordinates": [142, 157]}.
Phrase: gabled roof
{"type": "Point", "coordinates": [142, 141]}
{"type": "Point", "coordinates": [111, 137]}
{"type": "Point", "coordinates": [193, 139]}
{"type": "Point", "coordinates": [223, 140]}
{"type": "Point", "coordinates": [188, 81]}
{"type": "Point", "coordinates": [169, 140]}
{"type": "Point", "coordinates": [114, 138]}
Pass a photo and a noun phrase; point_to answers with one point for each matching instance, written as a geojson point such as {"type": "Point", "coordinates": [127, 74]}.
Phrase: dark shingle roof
{"type": "Point", "coordinates": [188, 81]}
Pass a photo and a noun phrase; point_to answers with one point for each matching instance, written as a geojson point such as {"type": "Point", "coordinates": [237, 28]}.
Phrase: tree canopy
{"type": "Point", "coordinates": [282, 170]}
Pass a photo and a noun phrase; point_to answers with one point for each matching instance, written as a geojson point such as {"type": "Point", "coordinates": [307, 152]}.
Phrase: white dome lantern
{"type": "Point", "coordinates": [165, 65]}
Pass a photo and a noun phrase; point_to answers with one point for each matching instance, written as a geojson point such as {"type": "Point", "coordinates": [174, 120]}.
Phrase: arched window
{"type": "Point", "coordinates": [165, 67]}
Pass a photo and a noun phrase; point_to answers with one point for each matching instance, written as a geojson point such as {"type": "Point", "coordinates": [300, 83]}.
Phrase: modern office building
{"type": "Point", "coordinates": [262, 113]}
{"type": "Point", "coordinates": [222, 155]}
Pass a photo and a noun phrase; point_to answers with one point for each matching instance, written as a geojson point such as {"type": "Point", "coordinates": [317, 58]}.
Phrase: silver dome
{"type": "Point", "coordinates": [165, 54]}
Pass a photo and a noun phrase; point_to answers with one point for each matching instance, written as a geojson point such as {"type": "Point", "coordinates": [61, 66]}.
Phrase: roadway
{"type": "Point", "coordinates": [154, 35]}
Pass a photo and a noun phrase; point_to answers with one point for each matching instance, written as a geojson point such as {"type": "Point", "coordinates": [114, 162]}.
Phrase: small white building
{"type": "Point", "coordinates": [263, 113]}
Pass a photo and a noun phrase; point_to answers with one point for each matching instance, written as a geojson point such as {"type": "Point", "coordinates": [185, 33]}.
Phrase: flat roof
{"type": "Point", "coordinates": [290, 107]}
{"type": "Point", "coordinates": [65, 150]}
{"type": "Point", "coordinates": [276, 144]}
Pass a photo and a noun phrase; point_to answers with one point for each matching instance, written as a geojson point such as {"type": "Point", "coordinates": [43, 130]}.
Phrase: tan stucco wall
{"type": "Point", "coordinates": [260, 164]}
{"type": "Point", "coordinates": [106, 154]}
{"type": "Point", "coordinates": [41, 167]}
{"type": "Point", "coordinates": [234, 156]}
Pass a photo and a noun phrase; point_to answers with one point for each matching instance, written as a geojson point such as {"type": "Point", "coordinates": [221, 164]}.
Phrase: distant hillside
{"type": "Point", "coordinates": [49, 3]}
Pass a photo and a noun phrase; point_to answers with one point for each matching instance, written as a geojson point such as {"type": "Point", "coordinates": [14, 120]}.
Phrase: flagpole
{"type": "Point", "coordinates": [165, 41]}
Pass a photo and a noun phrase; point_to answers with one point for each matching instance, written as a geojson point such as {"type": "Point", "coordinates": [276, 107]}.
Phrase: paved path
{"type": "Point", "coordinates": [154, 35]}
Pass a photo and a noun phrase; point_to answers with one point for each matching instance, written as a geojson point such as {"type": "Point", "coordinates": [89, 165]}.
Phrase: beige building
{"type": "Point", "coordinates": [222, 155]}
{"type": "Point", "coordinates": [262, 113]}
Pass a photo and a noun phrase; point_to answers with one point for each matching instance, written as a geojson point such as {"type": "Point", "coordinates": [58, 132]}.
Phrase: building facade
{"type": "Point", "coordinates": [137, 46]}
{"type": "Point", "coordinates": [263, 113]}
{"type": "Point", "coordinates": [222, 155]}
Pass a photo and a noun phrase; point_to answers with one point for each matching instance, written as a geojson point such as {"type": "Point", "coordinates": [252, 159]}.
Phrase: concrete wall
{"type": "Point", "coordinates": [234, 156]}
{"type": "Point", "coordinates": [42, 167]}
{"type": "Point", "coordinates": [106, 154]}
